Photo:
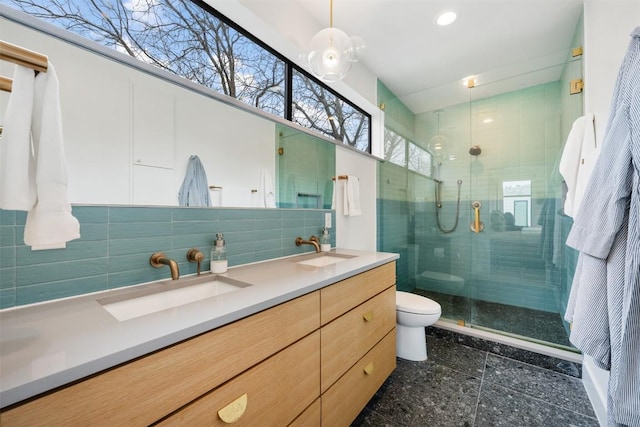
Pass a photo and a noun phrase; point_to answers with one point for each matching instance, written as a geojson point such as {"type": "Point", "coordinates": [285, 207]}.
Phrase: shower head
{"type": "Point", "coordinates": [475, 150]}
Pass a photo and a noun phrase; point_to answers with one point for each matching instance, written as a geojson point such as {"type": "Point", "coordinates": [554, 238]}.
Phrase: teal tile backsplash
{"type": "Point", "coordinates": [117, 242]}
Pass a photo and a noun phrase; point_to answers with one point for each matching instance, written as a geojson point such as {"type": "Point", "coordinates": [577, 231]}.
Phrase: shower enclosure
{"type": "Point", "coordinates": [498, 261]}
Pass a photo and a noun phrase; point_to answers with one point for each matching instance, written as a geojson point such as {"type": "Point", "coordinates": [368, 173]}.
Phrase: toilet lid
{"type": "Point", "coordinates": [413, 303]}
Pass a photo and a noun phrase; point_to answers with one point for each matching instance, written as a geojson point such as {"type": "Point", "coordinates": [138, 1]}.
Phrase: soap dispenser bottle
{"type": "Point", "coordinates": [325, 240]}
{"type": "Point", "coordinates": [219, 255]}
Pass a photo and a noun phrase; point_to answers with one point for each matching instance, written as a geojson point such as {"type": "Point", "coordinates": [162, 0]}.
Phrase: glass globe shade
{"type": "Point", "coordinates": [329, 54]}
{"type": "Point", "coordinates": [357, 49]}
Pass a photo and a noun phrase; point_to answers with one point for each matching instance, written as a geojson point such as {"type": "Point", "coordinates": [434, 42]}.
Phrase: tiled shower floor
{"type": "Point", "coordinates": [472, 382]}
{"type": "Point", "coordinates": [540, 325]}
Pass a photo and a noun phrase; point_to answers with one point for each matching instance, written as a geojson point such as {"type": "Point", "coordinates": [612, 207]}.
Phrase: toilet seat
{"type": "Point", "coordinates": [417, 304]}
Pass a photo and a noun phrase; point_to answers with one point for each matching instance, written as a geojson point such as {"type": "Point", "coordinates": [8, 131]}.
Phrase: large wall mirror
{"type": "Point", "coordinates": [129, 135]}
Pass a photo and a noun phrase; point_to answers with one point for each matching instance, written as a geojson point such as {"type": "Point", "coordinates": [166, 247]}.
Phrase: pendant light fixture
{"type": "Point", "coordinates": [332, 52]}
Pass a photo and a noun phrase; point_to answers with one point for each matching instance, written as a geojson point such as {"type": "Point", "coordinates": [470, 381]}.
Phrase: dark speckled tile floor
{"type": "Point", "coordinates": [472, 382]}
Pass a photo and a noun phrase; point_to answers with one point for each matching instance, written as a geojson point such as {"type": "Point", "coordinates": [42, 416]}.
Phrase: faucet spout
{"type": "Point", "coordinates": [194, 255]}
{"type": "Point", "coordinates": [313, 241]}
{"type": "Point", "coordinates": [158, 259]}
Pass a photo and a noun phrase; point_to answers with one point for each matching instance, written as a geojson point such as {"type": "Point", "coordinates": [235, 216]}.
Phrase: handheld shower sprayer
{"type": "Point", "coordinates": [439, 205]}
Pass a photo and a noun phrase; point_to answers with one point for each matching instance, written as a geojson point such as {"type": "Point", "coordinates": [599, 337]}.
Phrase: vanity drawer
{"type": "Point", "coordinates": [340, 404]}
{"type": "Point", "coordinates": [276, 391]}
{"type": "Point", "coordinates": [348, 338]}
{"type": "Point", "coordinates": [341, 297]}
{"type": "Point", "coordinates": [310, 417]}
{"type": "Point", "coordinates": [147, 389]}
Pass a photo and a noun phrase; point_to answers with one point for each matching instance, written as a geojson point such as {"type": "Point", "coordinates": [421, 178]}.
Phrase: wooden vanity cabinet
{"type": "Point", "coordinates": [358, 342]}
{"type": "Point", "coordinates": [147, 389]}
{"type": "Point", "coordinates": [315, 360]}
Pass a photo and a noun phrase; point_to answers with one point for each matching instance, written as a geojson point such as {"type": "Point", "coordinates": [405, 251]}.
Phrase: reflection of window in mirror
{"type": "Point", "coordinates": [516, 204]}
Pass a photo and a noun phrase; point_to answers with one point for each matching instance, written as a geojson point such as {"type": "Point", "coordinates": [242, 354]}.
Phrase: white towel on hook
{"type": "Point", "coordinates": [17, 165]}
{"type": "Point", "coordinates": [352, 196]}
{"type": "Point", "coordinates": [578, 158]}
{"type": "Point", "coordinates": [50, 223]}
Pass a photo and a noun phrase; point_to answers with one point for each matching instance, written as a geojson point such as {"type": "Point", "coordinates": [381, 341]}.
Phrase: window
{"type": "Point", "coordinates": [516, 200]}
{"type": "Point", "coordinates": [395, 148]}
{"type": "Point", "coordinates": [190, 39]}
{"type": "Point", "coordinates": [402, 152]}
{"type": "Point", "coordinates": [419, 160]}
{"type": "Point", "coordinates": [316, 107]}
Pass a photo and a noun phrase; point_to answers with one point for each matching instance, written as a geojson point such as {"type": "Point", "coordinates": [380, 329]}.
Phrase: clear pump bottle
{"type": "Point", "coordinates": [325, 240]}
{"type": "Point", "coordinates": [219, 255]}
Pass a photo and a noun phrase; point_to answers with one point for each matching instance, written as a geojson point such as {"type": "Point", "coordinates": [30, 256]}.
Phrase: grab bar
{"type": "Point", "coordinates": [476, 226]}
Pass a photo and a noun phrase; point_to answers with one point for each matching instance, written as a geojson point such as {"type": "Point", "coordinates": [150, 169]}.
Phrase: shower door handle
{"type": "Point", "coordinates": [476, 226]}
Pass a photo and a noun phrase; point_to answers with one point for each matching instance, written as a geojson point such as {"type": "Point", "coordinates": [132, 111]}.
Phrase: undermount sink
{"type": "Point", "coordinates": [324, 259]}
{"type": "Point", "coordinates": [168, 294]}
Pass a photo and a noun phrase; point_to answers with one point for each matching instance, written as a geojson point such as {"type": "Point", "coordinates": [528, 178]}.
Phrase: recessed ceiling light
{"type": "Point", "coordinates": [487, 120]}
{"type": "Point", "coordinates": [445, 18]}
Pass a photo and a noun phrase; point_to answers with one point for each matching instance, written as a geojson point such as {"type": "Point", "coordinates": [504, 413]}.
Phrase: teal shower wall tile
{"type": "Point", "coordinates": [7, 298]}
{"type": "Point", "coordinates": [267, 214]}
{"type": "Point", "coordinates": [7, 256]}
{"type": "Point", "coordinates": [314, 217]}
{"type": "Point", "coordinates": [7, 235]}
{"type": "Point", "coordinates": [73, 252]}
{"type": "Point", "coordinates": [227, 225]}
{"type": "Point", "coordinates": [260, 225]}
{"type": "Point", "coordinates": [237, 214]}
{"type": "Point", "coordinates": [289, 214]}
{"type": "Point", "coordinates": [90, 231]}
{"type": "Point", "coordinates": [240, 259]}
{"type": "Point", "coordinates": [195, 214]}
{"type": "Point", "coordinates": [293, 223]}
{"type": "Point", "coordinates": [270, 234]}
{"type": "Point", "coordinates": [59, 271]}
{"type": "Point", "coordinates": [21, 217]}
{"type": "Point", "coordinates": [195, 227]}
{"type": "Point", "coordinates": [52, 290]}
{"type": "Point", "coordinates": [139, 214]}
{"type": "Point", "coordinates": [199, 241]}
{"type": "Point", "coordinates": [241, 248]}
{"type": "Point", "coordinates": [243, 236]}
{"type": "Point", "coordinates": [139, 229]}
{"type": "Point", "coordinates": [91, 214]}
{"type": "Point", "coordinates": [7, 217]}
{"type": "Point", "coordinates": [145, 245]}
{"type": "Point", "coordinates": [7, 278]}
{"type": "Point", "coordinates": [139, 261]}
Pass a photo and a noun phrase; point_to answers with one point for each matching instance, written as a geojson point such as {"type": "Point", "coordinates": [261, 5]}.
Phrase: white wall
{"type": "Point", "coordinates": [607, 25]}
{"type": "Point", "coordinates": [357, 232]}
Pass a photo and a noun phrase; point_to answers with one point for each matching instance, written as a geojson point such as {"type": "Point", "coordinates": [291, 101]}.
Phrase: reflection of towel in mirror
{"type": "Point", "coordinates": [352, 196]}
{"type": "Point", "coordinates": [266, 193]}
{"type": "Point", "coordinates": [50, 223]}
{"type": "Point", "coordinates": [195, 187]}
{"type": "Point", "coordinates": [333, 194]}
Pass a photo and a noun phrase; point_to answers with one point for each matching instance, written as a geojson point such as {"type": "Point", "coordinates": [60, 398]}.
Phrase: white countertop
{"type": "Point", "coordinates": [44, 346]}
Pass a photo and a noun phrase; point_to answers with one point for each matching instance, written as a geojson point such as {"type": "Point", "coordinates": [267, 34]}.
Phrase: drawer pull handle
{"type": "Point", "coordinates": [234, 410]}
{"type": "Point", "coordinates": [369, 369]}
{"type": "Point", "coordinates": [368, 316]}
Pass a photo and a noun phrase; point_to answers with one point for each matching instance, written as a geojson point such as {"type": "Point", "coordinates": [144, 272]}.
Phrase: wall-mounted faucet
{"type": "Point", "coordinates": [194, 255]}
{"type": "Point", "coordinates": [158, 259]}
{"type": "Point", "coordinates": [313, 240]}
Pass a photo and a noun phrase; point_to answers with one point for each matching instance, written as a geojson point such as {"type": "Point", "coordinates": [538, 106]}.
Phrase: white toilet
{"type": "Point", "coordinates": [413, 313]}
